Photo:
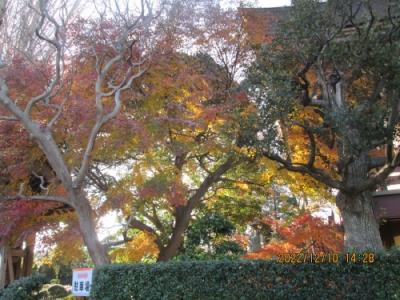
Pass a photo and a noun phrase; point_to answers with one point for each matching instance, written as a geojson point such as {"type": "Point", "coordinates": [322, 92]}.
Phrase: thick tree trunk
{"type": "Point", "coordinates": [96, 250]}
{"type": "Point", "coordinates": [361, 229]}
{"type": "Point", "coordinates": [254, 240]}
{"type": "Point", "coordinates": [182, 213]}
{"type": "Point", "coordinates": [29, 256]}
{"type": "Point", "coordinates": [3, 265]}
{"type": "Point", "coordinates": [182, 222]}
{"type": "Point", "coordinates": [172, 248]}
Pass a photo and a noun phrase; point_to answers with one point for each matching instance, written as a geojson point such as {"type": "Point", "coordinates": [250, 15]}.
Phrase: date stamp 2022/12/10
{"type": "Point", "coordinates": [326, 258]}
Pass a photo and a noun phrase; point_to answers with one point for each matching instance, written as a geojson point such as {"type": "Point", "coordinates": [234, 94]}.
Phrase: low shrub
{"type": "Point", "coordinates": [251, 280]}
{"type": "Point", "coordinates": [24, 289]}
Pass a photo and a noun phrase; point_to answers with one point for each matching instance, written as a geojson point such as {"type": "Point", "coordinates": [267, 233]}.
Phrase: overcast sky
{"type": "Point", "coordinates": [273, 3]}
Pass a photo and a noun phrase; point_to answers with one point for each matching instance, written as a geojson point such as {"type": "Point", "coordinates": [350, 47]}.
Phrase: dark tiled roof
{"type": "Point", "coordinates": [261, 23]}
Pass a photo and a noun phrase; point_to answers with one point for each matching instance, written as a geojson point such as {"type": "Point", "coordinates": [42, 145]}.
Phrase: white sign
{"type": "Point", "coordinates": [81, 281]}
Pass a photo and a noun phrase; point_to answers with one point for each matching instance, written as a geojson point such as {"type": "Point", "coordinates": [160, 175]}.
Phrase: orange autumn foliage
{"type": "Point", "coordinates": [305, 234]}
{"type": "Point", "coordinates": [298, 141]}
{"type": "Point", "coordinates": [134, 251]}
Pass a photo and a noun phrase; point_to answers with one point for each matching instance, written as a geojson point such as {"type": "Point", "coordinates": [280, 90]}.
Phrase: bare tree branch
{"type": "Point", "coordinates": [57, 43]}
{"type": "Point", "coordinates": [42, 181]}
{"type": "Point", "coordinates": [380, 176]}
{"type": "Point", "coordinates": [241, 181]}
{"type": "Point", "coordinates": [155, 221]}
{"type": "Point", "coordinates": [101, 117]}
{"type": "Point", "coordinates": [118, 243]}
{"type": "Point", "coordinates": [8, 118]}
{"type": "Point", "coordinates": [316, 173]}
{"type": "Point", "coordinates": [211, 179]}
{"type": "Point", "coordinates": [42, 135]}
{"type": "Point", "coordinates": [44, 139]}
{"type": "Point", "coordinates": [134, 223]}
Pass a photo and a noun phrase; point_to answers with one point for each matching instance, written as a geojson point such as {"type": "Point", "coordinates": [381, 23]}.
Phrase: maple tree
{"type": "Point", "coordinates": [304, 234]}
{"type": "Point", "coordinates": [187, 112]}
{"type": "Point", "coordinates": [141, 246]}
{"type": "Point", "coordinates": [185, 153]}
{"type": "Point", "coordinates": [329, 80]}
{"type": "Point", "coordinates": [173, 162]}
{"type": "Point", "coordinates": [38, 108]}
{"type": "Point", "coordinates": [68, 251]}
{"type": "Point", "coordinates": [64, 118]}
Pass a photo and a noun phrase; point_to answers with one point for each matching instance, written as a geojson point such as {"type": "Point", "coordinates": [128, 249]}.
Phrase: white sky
{"type": "Point", "coordinates": [273, 3]}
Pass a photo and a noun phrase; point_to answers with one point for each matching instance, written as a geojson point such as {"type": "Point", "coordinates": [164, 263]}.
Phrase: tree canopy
{"type": "Point", "coordinates": [198, 141]}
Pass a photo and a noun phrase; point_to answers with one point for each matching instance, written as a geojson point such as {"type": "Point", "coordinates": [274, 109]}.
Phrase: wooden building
{"type": "Point", "coordinates": [387, 210]}
{"type": "Point", "coordinates": [17, 261]}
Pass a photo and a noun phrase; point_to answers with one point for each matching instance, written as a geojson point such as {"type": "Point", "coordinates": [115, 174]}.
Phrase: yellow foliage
{"type": "Point", "coordinates": [142, 245]}
{"type": "Point", "coordinates": [299, 143]}
{"type": "Point", "coordinates": [66, 252]}
{"type": "Point", "coordinates": [242, 186]}
{"type": "Point", "coordinates": [247, 151]}
{"type": "Point", "coordinates": [300, 185]}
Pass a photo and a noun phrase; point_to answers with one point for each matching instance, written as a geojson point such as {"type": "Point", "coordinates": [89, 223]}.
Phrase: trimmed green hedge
{"type": "Point", "coordinates": [24, 289]}
{"type": "Point", "coordinates": [249, 280]}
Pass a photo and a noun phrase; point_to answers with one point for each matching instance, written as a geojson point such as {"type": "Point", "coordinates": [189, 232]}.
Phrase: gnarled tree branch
{"type": "Point", "coordinates": [316, 173]}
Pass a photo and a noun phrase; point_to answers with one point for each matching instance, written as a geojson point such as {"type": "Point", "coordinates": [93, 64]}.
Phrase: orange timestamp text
{"type": "Point", "coordinates": [326, 258]}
